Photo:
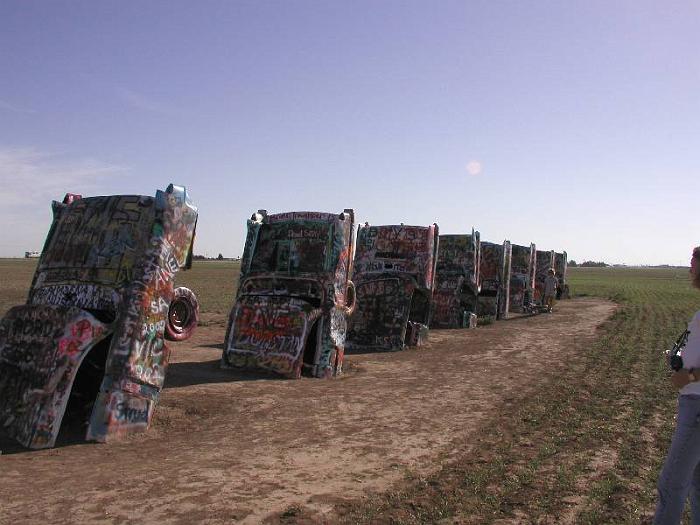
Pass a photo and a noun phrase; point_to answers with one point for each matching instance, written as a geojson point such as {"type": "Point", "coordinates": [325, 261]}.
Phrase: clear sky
{"type": "Point", "coordinates": [574, 125]}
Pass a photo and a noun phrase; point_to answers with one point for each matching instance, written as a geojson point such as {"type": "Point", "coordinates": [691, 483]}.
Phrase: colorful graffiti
{"type": "Point", "coordinates": [42, 348]}
{"type": "Point", "coordinates": [522, 276]}
{"type": "Point", "coordinates": [544, 261]}
{"type": "Point", "coordinates": [101, 290]}
{"type": "Point", "coordinates": [395, 278]}
{"type": "Point", "coordinates": [294, 296]}
{"type": "Point", "coordinates": [494, 296]}
{"type": "Point", "coordinates": [457, 281]}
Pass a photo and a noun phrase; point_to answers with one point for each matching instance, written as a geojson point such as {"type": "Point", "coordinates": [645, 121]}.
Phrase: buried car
{"type": "Point", "coordinates": [89, 342]}
{"type": "Point", "coordinates": [560, 267]}
{"type": "Point", "coordinates": [457, 281]}
{"type": "Point", "coordinates": [494, 296]}
{"type": "Point", "coordinates": [394, 280]}
{"type": "Point", "coordinates": [294, 295]}
{"type": "Point", "coordinates": [522, 276]}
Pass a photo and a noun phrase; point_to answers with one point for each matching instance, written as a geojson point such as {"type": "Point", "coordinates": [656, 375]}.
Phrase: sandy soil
{"type": "Point", "coordinates": [233, 447]}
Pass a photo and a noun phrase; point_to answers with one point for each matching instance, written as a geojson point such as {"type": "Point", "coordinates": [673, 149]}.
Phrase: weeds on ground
{"type": "Point", "coordinates": [587, 445]}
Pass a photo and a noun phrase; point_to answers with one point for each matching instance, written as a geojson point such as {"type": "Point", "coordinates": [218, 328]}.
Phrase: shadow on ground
{"type": "Point", "coordinates": [207, 372]}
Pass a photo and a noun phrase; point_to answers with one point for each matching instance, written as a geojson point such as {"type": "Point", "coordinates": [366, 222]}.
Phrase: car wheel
{"type": "Point", "coordinates": [183, 315]}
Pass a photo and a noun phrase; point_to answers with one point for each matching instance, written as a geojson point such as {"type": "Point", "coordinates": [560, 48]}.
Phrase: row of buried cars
{"type": "Point", "coordinates": [88, 347]}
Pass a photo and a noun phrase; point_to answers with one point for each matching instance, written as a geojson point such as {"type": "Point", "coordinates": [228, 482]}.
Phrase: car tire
{"type": "Point", "coordinates": [183, 315]}
{"type": "Point", "coordinates": [350, 309]}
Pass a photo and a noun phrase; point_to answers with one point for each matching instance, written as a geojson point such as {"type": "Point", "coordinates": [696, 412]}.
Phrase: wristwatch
{"type": "Point", "coordinates": [691, 376]}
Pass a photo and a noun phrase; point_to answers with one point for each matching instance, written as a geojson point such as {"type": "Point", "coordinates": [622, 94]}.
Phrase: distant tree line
{"type": "Point", "coordinates": [588, 264]}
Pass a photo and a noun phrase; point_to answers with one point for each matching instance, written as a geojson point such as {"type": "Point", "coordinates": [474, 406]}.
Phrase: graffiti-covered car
{"type": "Point", "coordinates": [560, 267]}
{"type": "Point", "coordinates": [394, 279]}
{"type": "Point", "coordinates": [494, 296]}
{"type": "Point", "coordinates": [544, 261]}
{"type": "Point", "coordinates": [522, 276]}
{"type": "Point", "coordinates": [89, 343]}
{"type": "Point", "coordinates": [294, 294]}
{"type": "Point", "coordinates": [457, 281]}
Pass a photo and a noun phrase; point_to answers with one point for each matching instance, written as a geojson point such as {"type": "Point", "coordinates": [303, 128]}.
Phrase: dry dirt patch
{"type": "Point", "coordinates": [236, 447]}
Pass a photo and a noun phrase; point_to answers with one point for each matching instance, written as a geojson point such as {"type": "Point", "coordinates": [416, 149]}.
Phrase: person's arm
{"type": "Point", "coordinates": [691, 356]}
{"type": "Point", "coordinates": [683, 377]}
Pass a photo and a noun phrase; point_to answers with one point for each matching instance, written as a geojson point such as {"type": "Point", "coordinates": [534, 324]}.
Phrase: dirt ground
{"type": "Point", "coordinates": [237, 447]}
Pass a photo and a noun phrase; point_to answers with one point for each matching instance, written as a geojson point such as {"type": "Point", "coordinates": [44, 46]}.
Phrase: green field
{"type": "Point", "coordinates": [592, 436]}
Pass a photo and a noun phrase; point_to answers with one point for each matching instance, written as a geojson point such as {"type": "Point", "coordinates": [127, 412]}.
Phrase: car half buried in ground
{"type": "Point", "coordinates": [88, 346]}
{"type": "Point", "coordinates": [294, 296]}
{"type": "Point", "coordinates": [395, 280]}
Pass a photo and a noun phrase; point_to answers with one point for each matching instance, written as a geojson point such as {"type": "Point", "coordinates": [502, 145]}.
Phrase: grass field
{"type": "Point", "coordinates": [588, 445]}
{"type": "Point", "coordinates": [585, 447]}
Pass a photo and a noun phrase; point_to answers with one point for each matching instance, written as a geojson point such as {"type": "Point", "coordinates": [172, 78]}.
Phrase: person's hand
{"type": "Point", "coordinates": [680, 378]}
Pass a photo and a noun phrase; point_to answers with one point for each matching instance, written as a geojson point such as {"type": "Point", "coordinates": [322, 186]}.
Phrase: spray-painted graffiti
{"type": "Point", "coordinates": [122, 408]}
{"type": "Point", "coordinates": [522, 276]}
{"type": "Point", "coordinates": [544, 261]}
{"type": "Point", "coordinates": [457, 281]}
{"type": "Point", "coordinates": [294, 295]}
{"type": "Point", "coordinates": [276, 327]}
{"type": "Point", "coordinates": [379, 320]}
{"type": "Point", "coordinates": [394, 275]}
{"type": "Point", "coordinates": [85, 296]}
{"type": "Point", "coordinates": [494, 296]}
{"type": "Point", "coordinates": [105, 277]}
{"type": "Point", "coordinates": [42, 348]}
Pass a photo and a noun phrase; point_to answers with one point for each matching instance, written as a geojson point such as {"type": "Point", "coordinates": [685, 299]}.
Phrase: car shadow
{"type": "Point", "coordinates": [364, 351]}
{"type": "Point", "coordinates": [178, 375]}
{"type": "Point", "coordinates": [70, 434]}
{"type": "Point", "coordinates": [9, 446]}
{"type": "Point", "coordinates": [190, 373]}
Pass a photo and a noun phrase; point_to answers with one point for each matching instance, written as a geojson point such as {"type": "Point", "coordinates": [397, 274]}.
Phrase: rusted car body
{"type": "Point", "coordinates": [456, 281]}
{"type": "Point", "coordinates": [395, 280]}
{"type": "Point", "coordinates": [560, 267]}
{"type": "Point", "coordinates": [494, 296]}
{"type": "Point", "coordinates": [522, 276]}
{"type": "Point", "coordinates": [294, 295]}
{"type": "Point", "coordinates": [89, 341]}
{"type": "Point", "coordinates": [544, 261]}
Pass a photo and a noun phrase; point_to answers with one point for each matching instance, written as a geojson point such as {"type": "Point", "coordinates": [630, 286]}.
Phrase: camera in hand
{"type": "Point", "coordinates": [676, 362]}
{"type": "Point", "coordinates": [674, 355]}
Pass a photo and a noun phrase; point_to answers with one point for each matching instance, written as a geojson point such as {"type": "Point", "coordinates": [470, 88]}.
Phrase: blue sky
{"type": "Point", "coordinates": [574, 125]}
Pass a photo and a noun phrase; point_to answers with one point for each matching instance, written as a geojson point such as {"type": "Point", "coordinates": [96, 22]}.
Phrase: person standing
{"type": "Point", "coordinates": [550, 289]}
{"type": "Point", "coordinates": [680, 475]}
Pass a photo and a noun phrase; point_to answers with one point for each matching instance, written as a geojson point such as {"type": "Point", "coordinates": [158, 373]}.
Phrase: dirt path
{"type": "Point", "coordinates": [231, 447]}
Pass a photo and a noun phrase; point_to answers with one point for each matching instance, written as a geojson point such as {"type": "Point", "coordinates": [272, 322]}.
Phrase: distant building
{"type": "Point", "coordinates": [31, 255]}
